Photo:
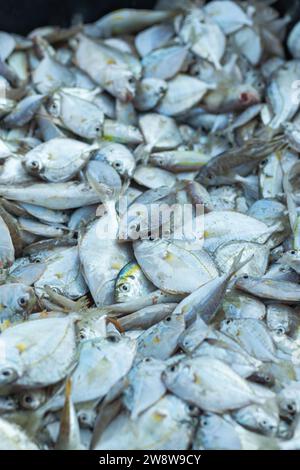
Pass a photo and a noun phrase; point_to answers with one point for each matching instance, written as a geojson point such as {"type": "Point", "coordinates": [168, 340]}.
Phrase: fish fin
{"type": "Point", "coordinates": [237, 263]}
{"type": "Point", "coordinates": [66, 303]}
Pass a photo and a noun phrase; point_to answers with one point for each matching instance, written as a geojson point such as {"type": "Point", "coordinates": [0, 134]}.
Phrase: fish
{"type": "Point", "coordinates": [16, 300]}
{"type": "Point", "coordinates": [258, 344]}
{"type": "Point", "coordinates": [161, 340]}
{"type": "Point", "coordinates": [195, 269]}
{"type": "Point", "coordinates": [175, 430]}
{"type": "Point", "coordinates": [57, 196]}
{"type": "Point", "coordinates": [57, 160]}
{"type": "Point", "coordinates": [101, 271]}
{"type": "Point", "coordinates": [266, 288]}
{"type": "Point", "coordinates": [131, 283]}
{"type": "Point", "coordinates": [129, 21]}
{"type": "Point", "coordinates": [27, 363]}
{"type": "Point", "coordinates": [80, 116]}
{"type": "Point", "coordinates": [144, 386]}
{"type": "Point", "coordinates": [200, 380]}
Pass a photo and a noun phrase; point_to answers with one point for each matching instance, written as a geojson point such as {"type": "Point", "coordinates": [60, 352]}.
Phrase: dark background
{"type": "Point", "coordinates": [21, 16]}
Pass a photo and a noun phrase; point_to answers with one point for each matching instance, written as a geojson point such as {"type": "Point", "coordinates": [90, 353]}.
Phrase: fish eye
{"type": "Point", "coordinates": [56, 290]}
{"type": "Point", "coordinates": [291, 407]}
{"type": "Point", "coordinates": [172, 368]}
{"type": "Point", "coordinates": [117, 164]}
{"type": "Point", "coordinates": [209, 177]}
{"type": "Point", "coordinates": [83, 417]}
{"type": "Point", "coordinates": [263, 162]}
{"type": "Point", "coordinates": [227, 322]}
{"type": "Point", "coordinates": [97, 129]}
{"type": "Point", "coordinates": [112, 339]}
{"type": "Point", "coordinates": [293, 252]}
{"type": "Point", "coordinates": [8, 374]}
{"type": "Point", "coordinates": [245, 276]}
{"type": "Point", "coordinates": [125, 288]}
{"type": "Point", "coordinates": [192, 408]}
{"type": "Point", "coordinates": [82, 335]}
{"type": "Point", "coordinates": [34, 165]}
{"type": "Point", "coordinates": [147, 359]}
{"type": "Point", "coordinates": [134, 227]}
{"type": "Point", "coordinates": [28, 399]}
{"type": "Point", "coordinates": [168, 318]}
{"type": "Point", "coordinates": [22, 301]}
{"type": "Point", "coordinates": [131, 80]}
{"type": "Point", "coordinates": [280, 330]}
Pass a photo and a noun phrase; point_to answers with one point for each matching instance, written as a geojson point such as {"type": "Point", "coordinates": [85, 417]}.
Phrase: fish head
{"type": "Point", "coordinates": [176, 374]}
{"type": "Point", "coordinates": [123, 83]}
{"type": "Point", "coordinates": [247, 97]}
{"type": "Point", "coordinates": [8, 373]}
{"type": "Point", "coordinates": [228, 326]}
{"type": "Point", "coordinates": [288, 401]}
{"type": "Point", "coordinates": [207, 177]}
{"type": "Point", "coordinates": [32, 399]}
{"type": "Point", "coordinates": [268, 423]}
{"type": "Point", "coordinates": [245, 281]}
{"type": "Point", "coordinates": [33, 165]}
{"type": "Point", "coordinates": [158, 160]}
{"type": "Point", "coordinates": [54, 106]}
{"type": "Point", "coordinates": [25, 300]}
{"type": "Point", "coordinates": [209, 422]}
{"type": "Point", "coordinates": [87, 417]}
{"type": "Point", "coordinates": [290, 256]}
{"type": "Point", "coordinates": [128, 283]}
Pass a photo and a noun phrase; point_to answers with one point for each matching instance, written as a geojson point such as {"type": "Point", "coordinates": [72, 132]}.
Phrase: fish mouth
{"type": "Point", "coordinates": [248, 98]}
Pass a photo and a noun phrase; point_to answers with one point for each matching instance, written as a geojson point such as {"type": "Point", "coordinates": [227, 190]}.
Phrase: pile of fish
{"type": "Point", "coordinates": [115, 336]}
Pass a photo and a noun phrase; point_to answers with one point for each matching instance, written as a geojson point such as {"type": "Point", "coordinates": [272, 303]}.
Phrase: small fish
{"type": "Point", "coordinates": [16, 300]}
{"type": "Point", "coordinates": [195, 268]}
{"type": "Point", "coordinates": [61, 196]}
{"type": "Point", "coordinates": [182, 94]}
{"type": "Point", "coordinates": [192, 378]}
{"type": "Point", "coordinates": [24, 111]}
{"type": "Point", "coordinates": [282, 291]}
{"type": "Point", "coordinates": [146, 317]}
{"type": "Point", "coordinates": [118, 156]}
{"type": "Point", "coordinates": [179, 160]}
{"type": "Point", "coordinates": [166, 425]}
{"type": "Point", "coordinates": [161, 340]}
{"type": "Point", "coordinates": [128, 21]}
{"type": "Point", "coordinates": [35, 339]}
{"type": "Point", "coordinates": [252, 335]}
{"type": "Point", "coordinates": [144, 386]}
{"type": "Point", "coordinates": [131, 283]}
{"type": "Point", "coordinates": [57, 160]}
